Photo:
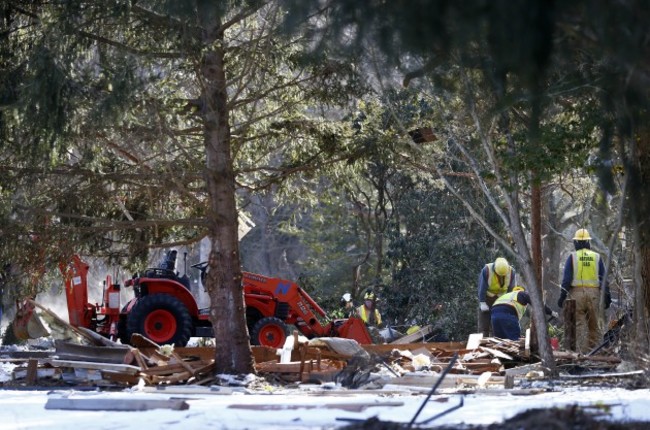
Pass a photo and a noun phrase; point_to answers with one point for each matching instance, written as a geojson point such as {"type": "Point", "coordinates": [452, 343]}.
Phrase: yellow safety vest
{"type": "Point", "coordinates": [494, 286]}
{"type": "Point", "coordinates": [363, 314]}
{"type": "Point", "coordinates": [585, 268]}
{"type": "Point", "coordinates": [511, 299]}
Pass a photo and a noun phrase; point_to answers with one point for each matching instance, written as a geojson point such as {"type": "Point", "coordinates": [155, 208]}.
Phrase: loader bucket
{"type": "Point", "coordinates": [27, 324]}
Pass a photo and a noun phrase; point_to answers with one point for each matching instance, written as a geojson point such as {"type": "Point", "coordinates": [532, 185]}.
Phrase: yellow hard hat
{"type": "Point", "coordinates": [519, 288]}
{"type": "Point", "coordinates": [501, 266]}
{"type": "Point", "coordinates": [369, 295]}
{"type": "Point", "coordinates": [582, 234]}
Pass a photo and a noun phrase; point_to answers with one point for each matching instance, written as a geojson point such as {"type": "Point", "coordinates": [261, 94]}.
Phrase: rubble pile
{"type": "Point", "coordinates": [481, 363]}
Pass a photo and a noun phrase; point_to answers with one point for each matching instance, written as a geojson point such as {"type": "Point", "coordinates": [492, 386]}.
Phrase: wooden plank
{"type": "Point", "coordinates": [24, 355]}
{"type": "Point", "coordinates": [183, 363]}
{"type": "Point", "coordinates": [32, 371]}
{"type": "Point", "coordinates": [139, 359]}
{"type": "Point", "coordinates": [139, 341]}
{"type": "Point", "coordinates": [496, 353]}
{"type": "Point", "coordinates": [130, 404]}
{"type": "Point", "coordinates": [474, 341]}
{"type": "Point", "coordinates": [193, 368]}
{"type": "Point", "coordinates": [166, 369]}
{"type": "Point", "coordinates": [204, 353]}
{"type": "Point", "coordinates": [124, 368]}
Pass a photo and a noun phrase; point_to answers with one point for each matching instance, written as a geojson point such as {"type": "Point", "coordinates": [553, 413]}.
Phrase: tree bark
{"type": "Point", "coordinates": [535, 291]}
{"type": "Point", "coordinates": [536, 247]}
{"type": "Point", "coordinates": [640, 205]}
{"type": "Point", "coordinates": [552, 245]}
{"type": "Point", "coordinates": [227, 309]}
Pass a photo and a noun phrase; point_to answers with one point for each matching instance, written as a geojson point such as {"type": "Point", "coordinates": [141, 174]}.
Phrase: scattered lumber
{"type": "Point", "coordinates": [97, 404]}
{"type": "Point", "coordinates": [482, 362]}
{"type": "Point", "coordinates": [107, 367]}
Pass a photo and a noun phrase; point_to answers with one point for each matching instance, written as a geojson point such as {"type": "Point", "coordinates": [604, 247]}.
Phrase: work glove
{"type": "Point", "coordinates": [484, 307]}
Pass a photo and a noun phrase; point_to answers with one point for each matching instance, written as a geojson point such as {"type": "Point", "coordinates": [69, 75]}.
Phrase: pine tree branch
{"type": "Point", "coordinates": [129, 49]}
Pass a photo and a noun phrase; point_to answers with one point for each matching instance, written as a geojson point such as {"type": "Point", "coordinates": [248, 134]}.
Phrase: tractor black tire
{"type": "Point", "coordinates": [269, 331]}
{"type": "Point", "coordinates": [122, 333]}
{"type": "Point", "coordinates": [161, 318]}
{"type": "Point", "coordinates": [121, 330]}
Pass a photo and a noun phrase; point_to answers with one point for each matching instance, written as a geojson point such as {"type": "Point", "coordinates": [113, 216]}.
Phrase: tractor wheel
{"type": "Point", "coordinates": [122, 332]}
{"type": "Point", "coordinates": [269, 331]}
{"type": "Point", "coordinates": [161, 318]}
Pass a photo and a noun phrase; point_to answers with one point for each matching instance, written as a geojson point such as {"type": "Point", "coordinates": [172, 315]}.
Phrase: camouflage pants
{"type": "Point", "coordinates": [588, 334]}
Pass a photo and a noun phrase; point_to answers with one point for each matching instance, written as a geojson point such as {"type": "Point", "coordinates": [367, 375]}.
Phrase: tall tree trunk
{"type": "Point", "coordinates": [536, 246]}
{"type": "Point", "coordinates": [534, 290]}
{"type": "Point", "coordinates": [529, 263]}
{"type": "Point", "coordinates": [227, 309]}
{"type": "Point", "coordinates": [552, 246]}
{"type": "Point", "coordinates": [536, 228]}
{"type": "Point", "coordinates": [640, 205]}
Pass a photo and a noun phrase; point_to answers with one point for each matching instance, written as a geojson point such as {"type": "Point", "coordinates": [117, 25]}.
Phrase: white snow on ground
{"type": "Point", "coordinates": [307, 407]}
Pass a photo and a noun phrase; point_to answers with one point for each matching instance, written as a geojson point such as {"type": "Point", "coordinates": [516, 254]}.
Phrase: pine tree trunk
{"type": "Point", "coordinates": [227, 310]}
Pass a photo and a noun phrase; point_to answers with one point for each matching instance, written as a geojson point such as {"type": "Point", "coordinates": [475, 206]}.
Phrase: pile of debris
{"type": "Point", "coordinates": [91, 359]}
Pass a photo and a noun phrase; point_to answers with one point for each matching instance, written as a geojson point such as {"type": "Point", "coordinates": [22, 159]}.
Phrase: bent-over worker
{"type": "Point", "coordinates": [507, 311]}
{"type": "Point", "coordinates": [495, 280]}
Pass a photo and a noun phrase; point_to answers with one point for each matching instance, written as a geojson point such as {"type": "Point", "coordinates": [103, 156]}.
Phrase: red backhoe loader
{"type": "Point", "coordinates": [164, 310]}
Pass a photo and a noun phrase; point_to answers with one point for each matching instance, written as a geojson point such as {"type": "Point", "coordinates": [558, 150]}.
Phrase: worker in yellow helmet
{"type": "Point", "coordinates": [368, 311]}
{"type": "Point", "coordinates": [584, 271]}
{"type": "Point", "coordinates": [507, 311]}
{"type": "Point", "coordinates": [495, 280]}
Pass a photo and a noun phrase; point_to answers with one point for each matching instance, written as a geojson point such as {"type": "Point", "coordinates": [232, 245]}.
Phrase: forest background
{"type": "Point", "coordinates": [393, 146]}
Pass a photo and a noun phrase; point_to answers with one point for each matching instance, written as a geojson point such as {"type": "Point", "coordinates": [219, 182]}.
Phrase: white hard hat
{"type": "Point", "coordinates": [347, 297]}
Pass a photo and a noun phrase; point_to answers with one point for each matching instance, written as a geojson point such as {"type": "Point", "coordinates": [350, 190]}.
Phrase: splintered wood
{"type": "Point", "coordinates": [481, 361]}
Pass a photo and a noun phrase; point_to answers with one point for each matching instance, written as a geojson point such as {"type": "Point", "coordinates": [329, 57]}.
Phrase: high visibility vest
{"type": "Point", "coordinates": [511, 299]}
{"type": "Point", "coordinates": [363, 314]}
{"type": "Point", "coordinates": [585, 268]}
{"type": "Point", "coordinates": [495, 288]}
